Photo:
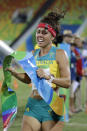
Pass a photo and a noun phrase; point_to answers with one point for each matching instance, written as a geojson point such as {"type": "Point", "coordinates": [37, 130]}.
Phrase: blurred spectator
{"type": "Point", "coordinates": [74, 83]}
{"type": "Point", "coordinates": [67, 36]}
{"type": "Point", "coordinates": [65, 44]}
{"type": "Point", "coordinates": [79, 70]}
{"type": "Point", "coordinates": [84, 55]}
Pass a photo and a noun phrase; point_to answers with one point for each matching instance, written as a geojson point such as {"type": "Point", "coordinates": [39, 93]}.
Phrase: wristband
{"type": "Point", "coordinates": [51, 79]}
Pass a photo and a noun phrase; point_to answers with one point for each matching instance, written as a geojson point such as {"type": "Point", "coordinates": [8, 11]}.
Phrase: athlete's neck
{"type": "Point", "coordinates": [45, 50]}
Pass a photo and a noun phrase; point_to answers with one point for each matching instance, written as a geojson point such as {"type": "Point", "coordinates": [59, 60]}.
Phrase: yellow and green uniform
{"type": "Point", "coordinates": [48, 62]}
{"type": "Point", "coordinates": [39, 109]}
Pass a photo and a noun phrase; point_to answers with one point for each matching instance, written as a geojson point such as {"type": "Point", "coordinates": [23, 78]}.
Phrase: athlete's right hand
{"type": "Point", "coordinates": [9, 69]}
{"type": "Point", "coordinates": [42, 74]}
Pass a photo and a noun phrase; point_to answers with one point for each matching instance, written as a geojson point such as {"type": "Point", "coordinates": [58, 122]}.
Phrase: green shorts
{"type": "Point", "coordinates": [40, 110]}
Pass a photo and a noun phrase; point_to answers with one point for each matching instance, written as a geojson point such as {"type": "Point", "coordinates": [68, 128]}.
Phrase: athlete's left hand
{"type": "Point", "coordinates": [42, 74]}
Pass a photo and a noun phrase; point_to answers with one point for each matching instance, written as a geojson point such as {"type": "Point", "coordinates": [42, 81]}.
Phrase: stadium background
{"type": "Point", "coordinates": [11, 30]}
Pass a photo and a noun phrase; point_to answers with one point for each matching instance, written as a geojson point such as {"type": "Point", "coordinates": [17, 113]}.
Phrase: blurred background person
{"type": "Point", "coordinates": [73, 79]}
{"type": "Point", "coordinates": [84, 55]}
{"type": "Point", "coordinates": [79, 71]}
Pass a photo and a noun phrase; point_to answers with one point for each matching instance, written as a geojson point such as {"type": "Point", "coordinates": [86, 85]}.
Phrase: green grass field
{"type": "Point", "coordinates": [77, 123]}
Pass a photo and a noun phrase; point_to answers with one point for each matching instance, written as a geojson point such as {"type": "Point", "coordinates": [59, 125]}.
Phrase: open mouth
{"type": "Point", "coordinates": [40, 39]}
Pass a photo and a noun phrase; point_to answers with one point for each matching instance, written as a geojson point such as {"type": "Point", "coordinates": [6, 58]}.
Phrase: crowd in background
{"type": "Point", "coordinates": [77, 48]}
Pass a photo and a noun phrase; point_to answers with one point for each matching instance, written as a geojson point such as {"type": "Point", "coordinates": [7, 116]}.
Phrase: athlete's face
{"type": "Point", "coordinates": [43, 37]}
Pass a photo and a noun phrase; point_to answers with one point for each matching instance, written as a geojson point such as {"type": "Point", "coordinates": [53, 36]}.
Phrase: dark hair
{"type": "Point", "coordinates": [53, 19]}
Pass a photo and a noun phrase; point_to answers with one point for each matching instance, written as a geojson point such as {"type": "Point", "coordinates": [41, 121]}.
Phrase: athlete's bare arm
{"type": "Point", "coordinates": [20, 76]}
{"type": "Point", "coordinates": [64, 68]}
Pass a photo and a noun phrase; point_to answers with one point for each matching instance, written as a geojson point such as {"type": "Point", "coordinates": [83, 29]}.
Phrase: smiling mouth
{"type": "Point", "coordinates": [40, 41]}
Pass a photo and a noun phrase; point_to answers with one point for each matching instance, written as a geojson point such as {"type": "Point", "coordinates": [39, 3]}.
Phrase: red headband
{"type": "Point", "coordinates": [50, 29]}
